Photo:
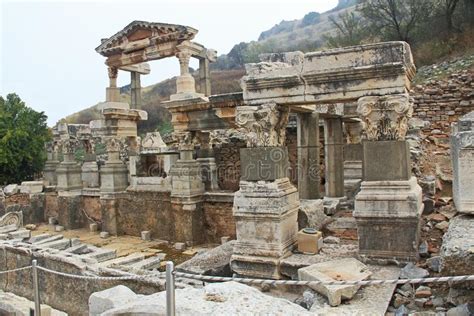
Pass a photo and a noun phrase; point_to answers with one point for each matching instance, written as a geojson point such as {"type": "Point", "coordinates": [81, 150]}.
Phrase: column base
{"type": "Point", "coordinates": [49, 172]}
{"type": "Point", "coordinates": [69, 176]}
{"type": "Point", "coordinates": [186, 180]}
{"type": "Point", "coordinates": [266, 221]}
{"type": "Point", "coordinates": [113, 177]}
{"type": "Point", "coordinates": [388, 220]}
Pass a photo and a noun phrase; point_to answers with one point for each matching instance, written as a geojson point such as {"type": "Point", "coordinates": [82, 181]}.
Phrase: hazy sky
{"type": "Point", "coordinates": [47, 51]}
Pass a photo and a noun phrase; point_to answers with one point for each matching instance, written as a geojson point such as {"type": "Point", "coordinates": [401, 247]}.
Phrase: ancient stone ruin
{"type": "Point", "coordinates": [347, 174]}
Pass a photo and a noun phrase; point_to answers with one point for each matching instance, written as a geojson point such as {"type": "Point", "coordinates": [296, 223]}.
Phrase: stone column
{"type": "Point", "coordinates": [352, 158]}
{"type": "Point", "coordinates": [90, 169]}
{"type": "Point", "coordinates": [114, 173]}
{"type": "Point", "coordinates": [389, 205]}
{"type": "Point", "coordinates": [112, 92]}
{"type": "Point", "coordinates": [207, 161]}
{"type": "Point", "coordinates": [308, 156]}
{"type": "Point", "coordinates": [135, 90]}
{"type": "Point", "coordinates": [187, 191]}
{"type": "Point", "coordinates": [462, 153]}
{"type": "Point", "coordinates": [204, 77]}
{"type": "Point", "coordinates": [266, 206]}
{"type": "Point", "coordinates": [334, 160]}
{"type": "Point", "coordinates": [69, 171]}
{"type": "Point", "coordinates": [52, 163]}
{"type": "Point", "coordinates": [185, 87]}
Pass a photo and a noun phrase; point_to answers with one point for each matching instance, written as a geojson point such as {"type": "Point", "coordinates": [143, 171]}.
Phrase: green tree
{"type": "Point", "coordinates": [23, 133]}
{"type": "Point", "coordinates": [349, 30]}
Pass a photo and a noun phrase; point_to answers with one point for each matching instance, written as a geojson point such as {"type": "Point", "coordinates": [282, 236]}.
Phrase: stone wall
{"type": "Point", "coordinates": [69, 295]}
{"type": "Point", "coordinates": [228, 164]}
{"type": "Point", "coordinates": [218, 221]}
{"type": "Point", "coordinates": [441, 102]}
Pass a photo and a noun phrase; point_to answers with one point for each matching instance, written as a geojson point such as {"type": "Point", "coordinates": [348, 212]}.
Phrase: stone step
{"type": "Point", "coordinates": [38, 238]}
{"type": "Point", "coordinates": [60, 244]}
{"type": "Point", "coordinates": [79, 249]}
{"type": "Point", "coordinates": [49, 239]}
{"type": "Point", "coordinates": [101, 254]}
{"type": "Point", "coordinates": [148, 263]}
{"type": "Point", "coordinates": [123, 261]}
{"type": "Point", "coordinates": [20, 234]}
{"type": "Point", "coordinates": [8, 228]}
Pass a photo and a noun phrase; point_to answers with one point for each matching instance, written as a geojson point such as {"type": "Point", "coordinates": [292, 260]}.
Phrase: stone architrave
{"type": "Point", "coordinates": [265, 209]}
{"type": "Point", "coordinates": [462, 153]}
{"type": "Point", "coordinates": [389, 205]}
{"type": "Point", "coordinates": [69, 171]}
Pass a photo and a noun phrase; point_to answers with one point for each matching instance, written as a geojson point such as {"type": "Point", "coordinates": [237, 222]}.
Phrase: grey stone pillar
{"type": "Point", "coordinates": [112, 92]}
{"type": "Point", "coordinates": [208, 162]}
{"type": "Point", "coordinates": [266, 205]}
{"type": "Point", "coordinates": [352, 158]}
{"type": "Point", "coordinates": [69, 171]}
{"type": "Point", "coordinates": [334, 159]}
{"type": "Point", "coordinates": [114, 173]}
{"type": "Point", "coordinates": [135, 90]}
{"type": "Point", "coordinates": [52, 163]}
{"type": "Point", "coordinates": [390, 199]}
{"type": "Point", "coordinates": [308, 156]}
{"type": "Point", "coordinates": [204, 77]}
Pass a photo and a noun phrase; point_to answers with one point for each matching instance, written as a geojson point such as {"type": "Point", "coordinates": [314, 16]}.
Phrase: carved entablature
{"type": "Point", "coordinates": [385, 117]}
{"type": "Point", "coordinates": [265, 124]}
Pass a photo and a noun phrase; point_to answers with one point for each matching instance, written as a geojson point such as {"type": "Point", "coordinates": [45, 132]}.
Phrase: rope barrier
{"type": "Point", "coordinates": [208, 278]}
{"type": "Point", "coordinates": [15, 270]}
{"type": "Point", "coordinates": [308, 283]}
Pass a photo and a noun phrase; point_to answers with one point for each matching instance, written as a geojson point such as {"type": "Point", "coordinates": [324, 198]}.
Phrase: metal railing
{"type": "Point", "coordinates": [171, 274]}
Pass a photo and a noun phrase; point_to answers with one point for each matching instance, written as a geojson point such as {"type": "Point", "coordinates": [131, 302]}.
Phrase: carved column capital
{"type": "Point", "coordinates": [385, 117]}
{"type": "Point", "coordinates": [184, 57]}
{"type": "Point", "coordinates": [353, 132]}
{"type": "Point", "coordinates": [185, 140]}
{"type": "Point", "coordinates": [69, 145]}
{"type": "Point", "coordinates": [265, 124]}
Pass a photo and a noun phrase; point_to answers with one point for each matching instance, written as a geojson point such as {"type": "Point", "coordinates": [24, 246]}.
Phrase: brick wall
{"type": "Point", "coordinates": [442, 102]}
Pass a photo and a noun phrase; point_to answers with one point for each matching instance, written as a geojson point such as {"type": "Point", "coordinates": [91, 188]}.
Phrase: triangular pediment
{"type": "Point", "coordinates": [140, 31]}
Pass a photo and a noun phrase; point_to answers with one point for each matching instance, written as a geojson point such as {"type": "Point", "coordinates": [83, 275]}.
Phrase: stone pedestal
{"type": "Point", "coordinates": [462, 152]}
{"type": "Point", "coordinates": [388, 219]}
{"type": "Point", "coordinates": [308, 156]}
{"type": "Point", "coordinates": [70, 214]}
{"type": "Point", "coordinates": [389, 205]}
{"type": "Point", "coordinates": [69, 174]}
{"type": "Point", "coordinates": [266, 220]}
{"type": "Point", "coordinates": [49, 172]}
{"type": "Point", "coordinates": [333, 154]}
{"type": "Point", "coordinates": [187, 190]}
{"type": "Point", "coordinates": [90, 174]}
{"type": "Point", "coordinates": [114, 174]}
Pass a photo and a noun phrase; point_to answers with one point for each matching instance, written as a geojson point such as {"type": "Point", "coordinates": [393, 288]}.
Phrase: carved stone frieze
{"type": "Point", "coordinates": [385, 117]}
{"type": "Point", "coordinates": [264, 124]}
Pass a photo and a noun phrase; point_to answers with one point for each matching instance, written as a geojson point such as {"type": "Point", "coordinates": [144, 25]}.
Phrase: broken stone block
{"type": "Point", "coordinates": [58, 228]}
{"type": "Point", "coordinates": [434, 263]}
{"type": "Point", "coordinates": [224, 239]}
{"type": "Point", "coordinates": [104, 235]}
{"type": "Point", "coordinates": [11, 189]}
{"type": "Point", "coordinates": [212, 262]}
{"type": "Point", "coordinates": [20, 234]}
{"type": "Point", "coordinates": [410, 271]}
{"type": "Point", "coordinates": [428, 185]}
{"type": "Point", "coordinates": [102, 301]}
{"type": "Point", "coordinates": [457, 250]}
{"type": "Point", "coordinates": [180, 246]}
{"type": "Point", "coordinates": [311, 214]}
{"type": "Point", "coordinates": [336, 270]}
{"type": "Point", "coordinates": [52, 220]}
{"type": "Point", "coordinates": [93, 228]}
{"type": "Point", "coordinates": [442, 225]}
{"type": "Point", "coordinates": [146, 235]}
{"type": "Point", "coordinates": [31, 187]}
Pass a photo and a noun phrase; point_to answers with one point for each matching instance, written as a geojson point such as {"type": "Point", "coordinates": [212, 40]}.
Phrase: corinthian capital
{"type": "Point", "coordinates": [385, 117]}
{"type": "Point", "coordinates": [265, 124]}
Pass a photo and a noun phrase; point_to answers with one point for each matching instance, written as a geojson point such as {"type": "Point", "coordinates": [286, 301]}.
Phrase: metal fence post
{"type": "Point", "coordinates": [36, 288]}
{"type": "Point", "coordinates": [170, 300]}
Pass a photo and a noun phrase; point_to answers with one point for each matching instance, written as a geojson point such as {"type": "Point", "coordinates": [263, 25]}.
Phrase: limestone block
{"type": "Point", "coordinates": [212, 262]}
{"type": "Point", "coordinates": [90, 174]}
{"type": "Point", "coordinates": [457, 250]}
{"type": "Point", "coordinates": [310, 241]}
{"type": "Point", "coordinates": [113, 177]}
{"type": "Point", "coordinates": [146, 235]}
{"type": "Point", "coordinates": [382, 208]}
{"type": "Point", "coordinates": [99, 302]}
{"type": "Point", "coordinates": [104, 235]}
{"type": "Point", "coordinates": [348, 269]}
{"type": "Point", "coordinates": [31, 187]}
{"type": "Point", "coordinates": [229, 298]}
{"type": "Point", "coordinates": [311, 214]}
{"type": "Point", "coordinates": [11, 189]}
{"type": "Point", "coordinates": [69, 176]}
